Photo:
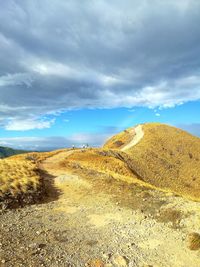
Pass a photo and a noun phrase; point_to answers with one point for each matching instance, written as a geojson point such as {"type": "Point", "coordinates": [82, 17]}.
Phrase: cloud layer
{"type": "Point", "coordinates": [55, 142]}
{"type": "Point", "coordinates": [60, 55]}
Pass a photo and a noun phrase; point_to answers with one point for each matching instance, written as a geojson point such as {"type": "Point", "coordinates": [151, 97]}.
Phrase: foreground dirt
{"type": "Point", "coordinates": [93, 220]}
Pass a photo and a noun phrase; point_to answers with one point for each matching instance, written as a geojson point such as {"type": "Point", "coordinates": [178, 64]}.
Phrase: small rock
{"type": "Point", "coordinates": [95, 263]}
{"type": "Point", "coordinates": [119, 261]}
{"type": "Point", "coordinates": [33, 245]}
{"type": "Point", "coordinates": [105, 256]}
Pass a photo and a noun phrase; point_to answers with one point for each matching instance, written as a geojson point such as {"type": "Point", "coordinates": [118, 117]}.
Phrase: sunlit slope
{"type": "Point", "coordinates": [21, 178]}
{"type": "Point", "coordinates": [18, 177]}
{"type": "Point", "coordinates": [164, 156]}
{"type": "Point", "coordinates": [120, 140]}
{"type": "Point", "coordinates": [37, 157]}
{"type": "Point", "coordinates": [97, 162]}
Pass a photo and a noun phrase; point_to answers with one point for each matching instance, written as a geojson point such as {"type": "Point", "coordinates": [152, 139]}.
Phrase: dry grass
{"type": "Point", "coordinates": [17, 177]}
{"type": "Point", "coordinates": [21, 179]}
{"type": "Point", "coordinates": [95, 263]}
{"type": "Point", "coordinates": [194, 241]}
{"type": "Point", "coordinates": [37, 156]}
{"type": "Point", "coordinates": [166, 157]}
{"type": "Point", "coordinates": [97, 160]}
{"type": "Point", "coordinates": [120, 140]}
{"type": "Point", "coordinates": [170, 215]}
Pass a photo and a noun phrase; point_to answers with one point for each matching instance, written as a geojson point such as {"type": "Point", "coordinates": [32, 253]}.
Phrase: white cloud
{"type": "Point", "coordinates": [170, 93]}
{"type": "Point", "coordinates": [55, 142]}
{"type": "Point", "coordinates": [29, 124]}
{"type": "Point", "coordinates": [52, 68]}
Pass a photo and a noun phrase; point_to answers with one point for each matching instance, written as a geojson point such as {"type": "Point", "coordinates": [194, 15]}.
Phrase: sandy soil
{"type": "Point", "coordinates": [97, 221]}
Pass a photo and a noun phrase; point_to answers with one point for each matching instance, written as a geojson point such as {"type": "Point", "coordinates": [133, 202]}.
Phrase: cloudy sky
{"type": "Point", "coordinates": [74, 72]}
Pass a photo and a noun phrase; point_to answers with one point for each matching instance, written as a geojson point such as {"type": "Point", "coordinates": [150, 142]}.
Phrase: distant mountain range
{"type": "Point", "coordinates": [7, 152]}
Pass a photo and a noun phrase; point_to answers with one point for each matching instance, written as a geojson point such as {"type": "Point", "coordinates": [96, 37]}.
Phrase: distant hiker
{"type": "Point", "coordinates": [83, 148]}
{"type": "Point", "coordinates": [73, 146]}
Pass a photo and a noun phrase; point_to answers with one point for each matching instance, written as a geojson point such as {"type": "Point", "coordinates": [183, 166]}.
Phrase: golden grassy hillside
{"type": "Point", "coordinates": [37, 156]}
{"type": "Point", "coordinates": [120, 140]}
{"type": "Point", "coordinates": [165, 157]}
{"type": "Point", "coordinates": [162, 157]}
{"type": "Point", "coordinates": [99, 161]}
{"type": "Point", "coordinates": [18, 177]}
{"type": "Point", "coordinates": [22, 181]}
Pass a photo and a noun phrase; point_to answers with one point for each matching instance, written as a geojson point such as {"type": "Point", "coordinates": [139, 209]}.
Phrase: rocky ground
{"type": "Point", "coordinates": [96, 221]}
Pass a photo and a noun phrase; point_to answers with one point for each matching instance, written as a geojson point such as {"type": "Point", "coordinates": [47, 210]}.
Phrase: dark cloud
{"type": "Point", "coordinates": [59, 55]}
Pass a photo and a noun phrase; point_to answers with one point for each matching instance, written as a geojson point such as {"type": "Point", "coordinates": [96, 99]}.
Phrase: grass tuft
{"type": "Point", "coordinates": [194, 241]}
{"type": "Point", "coordinates": [18, 177]}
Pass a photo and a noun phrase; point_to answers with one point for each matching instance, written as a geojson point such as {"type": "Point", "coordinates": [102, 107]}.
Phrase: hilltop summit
{"type": "Point", "coordinates": [162, 155]}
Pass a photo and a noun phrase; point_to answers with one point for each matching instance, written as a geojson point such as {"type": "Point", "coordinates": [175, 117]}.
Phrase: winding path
{"type": "Point", "coordinates": [136, 139]}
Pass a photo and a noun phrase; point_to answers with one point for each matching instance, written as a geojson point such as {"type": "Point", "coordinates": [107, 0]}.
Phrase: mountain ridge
{"type": "Point", "coordinates": [7, 151]}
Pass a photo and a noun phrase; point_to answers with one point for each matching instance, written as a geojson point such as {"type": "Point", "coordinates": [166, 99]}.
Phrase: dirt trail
{"type": "Point", "coordinates": [136, 139]}
{"type": "Point", "coordinates": [99, 222]}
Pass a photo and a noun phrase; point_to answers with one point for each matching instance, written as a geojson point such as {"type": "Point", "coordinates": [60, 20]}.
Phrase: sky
{"type": "Point", "coordinates": [75, 72]}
